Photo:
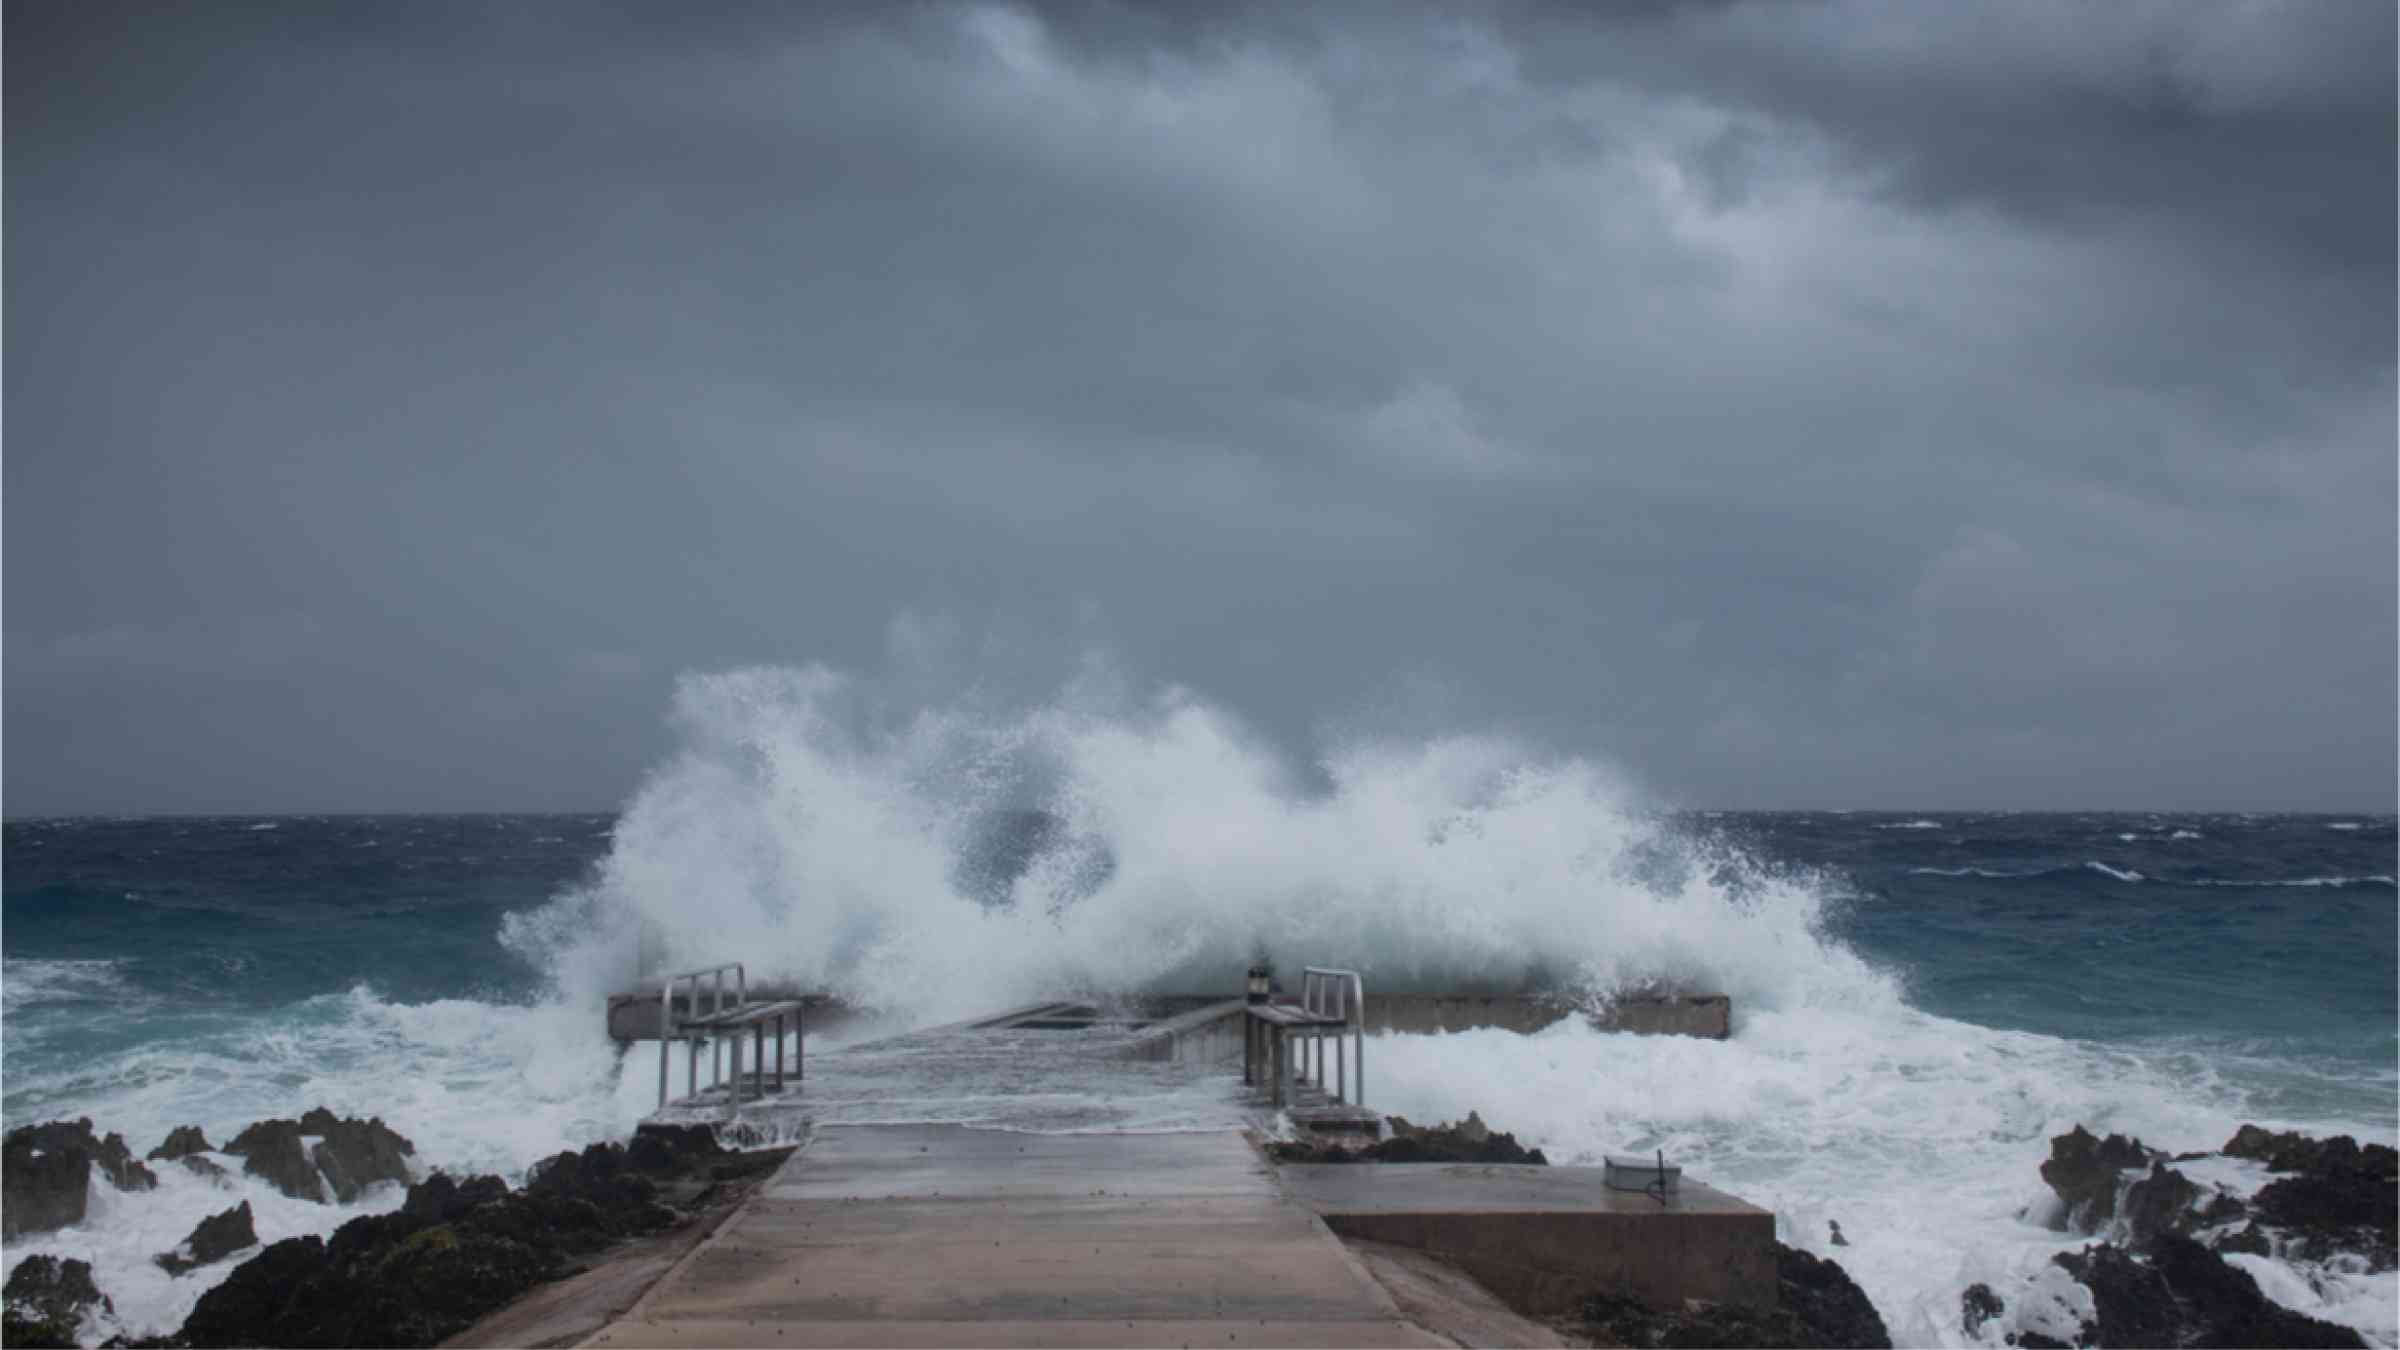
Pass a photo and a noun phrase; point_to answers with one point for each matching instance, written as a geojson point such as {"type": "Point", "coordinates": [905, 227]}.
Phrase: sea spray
{"type": "Point", "coordinates": [821, 843]}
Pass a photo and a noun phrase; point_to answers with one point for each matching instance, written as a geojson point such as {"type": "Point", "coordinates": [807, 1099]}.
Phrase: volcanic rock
{"type": "Point", "coordinates": [2162, 1202]}
{"type": "Point", "coordinates": [213, 1239]}
{"type": "Point", "coordinates": [2342, 1198]}
{"type": "Point", "coordinates": [204, 1168]}
{"type": "Point", "coordinates": [346, 1157]}
{"type": "Point", "coordinates": [1468, 1141]}
{"type": "Point", "coordinates": [659, 1148]}
{"type": "Point", "coordinates": [439, 1198]}
{"type": "Point", "coordinates": [2085, 1172]}
{"type": "Point", "coordinates": [182, 1142]}
{"type": "Point", "coordinates": [1820, 1309]}
{"type": "Point", "coordinates": [2292, 1151]}
{"type": "Point", "coordinates": [45, 1174]}
{"type": "Point", "coordinates": [1976, 1306]}
{"type": "Point", "coordinates": [451, 1253]}
{"type": "Point", "coordinates": [45, 1301]}
{"type": "Point", "coordinates": [2186, 1295]}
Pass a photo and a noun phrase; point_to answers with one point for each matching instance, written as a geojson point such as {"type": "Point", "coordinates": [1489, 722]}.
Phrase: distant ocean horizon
{"type": "Point", "coordinates": [1921, 997]}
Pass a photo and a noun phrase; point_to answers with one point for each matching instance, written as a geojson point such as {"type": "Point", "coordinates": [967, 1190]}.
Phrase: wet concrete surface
{"type": "Point", "coordinates": [942, 1234]}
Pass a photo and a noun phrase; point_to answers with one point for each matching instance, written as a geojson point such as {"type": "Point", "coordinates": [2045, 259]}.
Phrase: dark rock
{"type": "Point", "coordinates": [2251, 1239]}
{"type": "Point", "coordinates": [2162, 1202]}
{"type": "Point", "coordinates": [1829, 1304]}
{"type": "Point", "coordinates": [204, 1167]}
{"type": "Point", "coordinates": [659, 1148]}
{"type": "Point", "coordinates": [355, 1154]}
{"type": "Point", "coordinates": [271, 1151]}
{"type": "Point", "coordinates": [1977, 1306]}
{"type": "Point", "coordinates": [2343, 1203]}
{"type": "Point", "coordinates": [2034, 1340]}
{"type": "Point", "coordinates": [439, 1199]}
{"type": "Point", "coordinates": [2292, 1151]}
{"type": "Point", "coordinates": [348, 1154]}
{"type": "Point", "coordinates": [1468, 1141]}
{"type": "Point", "coordinates": [451, 1253]}
{"type": "Point", "coordinates": [46, 1299]}
{"type": "Point", "coordinates": [1820, 1309]}
{"type": "Point", "coordinates": [182, 1142]}
{"type": "Point", "coordinates": [1836, 1229]}
{"type": "Point", "coordinates": [2086, 1172]}
{"type": "Point", "coordinates": [2186, 1295]}
{"type": "Point", "coordinates": [213, 1239]}
{"type": "Point", "coordinates": [45, 1173]}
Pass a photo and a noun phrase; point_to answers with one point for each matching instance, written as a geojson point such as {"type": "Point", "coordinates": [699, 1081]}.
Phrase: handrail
{"type": "Point", "coordinates": [1328, 991]}
{"type": "Point", "coordinates": [666, 1020]}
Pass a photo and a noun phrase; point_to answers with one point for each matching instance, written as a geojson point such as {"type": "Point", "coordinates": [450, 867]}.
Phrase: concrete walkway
{"type": "Point", "coordinates": [936, 1235]}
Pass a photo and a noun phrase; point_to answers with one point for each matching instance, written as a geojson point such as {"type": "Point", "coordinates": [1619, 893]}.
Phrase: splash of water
{"type": "Point", "coordinates": [818, 836]}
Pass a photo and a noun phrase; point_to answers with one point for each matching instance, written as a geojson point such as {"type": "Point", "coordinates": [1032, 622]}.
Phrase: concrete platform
{"type": "Point", "coordinates": [944, 1235]}
{"type": "Point", "coordinates": [1543, 1237]}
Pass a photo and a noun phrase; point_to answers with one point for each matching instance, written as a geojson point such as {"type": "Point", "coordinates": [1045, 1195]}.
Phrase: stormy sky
{"type": "Point", "coordinates": [1849, 405]}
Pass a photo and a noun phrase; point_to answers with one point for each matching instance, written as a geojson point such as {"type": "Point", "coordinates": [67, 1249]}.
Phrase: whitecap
{"type": "Point", "coordinates": [2125, 874]}
{"type": "Point", "coordinates": [1913, 825]}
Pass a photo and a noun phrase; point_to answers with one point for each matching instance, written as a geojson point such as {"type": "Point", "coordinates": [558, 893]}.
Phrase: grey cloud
{"type": "Point", "coordinates": [1799, 405]}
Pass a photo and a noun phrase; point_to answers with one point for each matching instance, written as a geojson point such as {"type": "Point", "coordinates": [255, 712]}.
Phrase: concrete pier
{"type": "Point", "coordinates": [939, 1235]}
{"type": "Point", "coordinates": [1543, 1237]}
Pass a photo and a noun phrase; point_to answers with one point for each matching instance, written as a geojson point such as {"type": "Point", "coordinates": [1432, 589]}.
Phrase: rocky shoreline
{"type": "Point", "coordinates": [453, 1252]}
{"type": "Point", "coordinates": [2159, 1273]}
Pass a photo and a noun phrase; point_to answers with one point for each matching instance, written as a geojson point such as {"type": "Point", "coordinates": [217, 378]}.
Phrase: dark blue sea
{"type": "Point", "coordinates": [1921, 997]}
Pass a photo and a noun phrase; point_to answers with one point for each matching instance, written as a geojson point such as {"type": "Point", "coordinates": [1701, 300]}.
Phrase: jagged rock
{"type": "Point", "coordinates": [658, 1148]}
{"type": "Point", "coordinates": [2183, 1294]}
{"type": "Point", "coordinates": [439, 1198]}
{"type": "Point", "coordinates": [45, 1301]}
{"type": "Point", "coordinates": [1820, 1309]}
{"type": "Point", "coordinates": [2251, 1239]}
{"type": "Point", "coordinates": [355, 1154]}
{"type": "Point", "coordinates": [2336, 1197]}
{"type": "Point", "coordinates": [204, 1167]}
{"type": "Point", "coordinates": [348, 1154]}
{"type": "Point", "coordinates": [451, 1253]}
{"type": "Point", "coordinates": [182, 1142]}
{"type": "Point", "coordinates": [271, 1151]}
{"type": "Point", "coordinates": [2336, 1210]}
{"type": "Point", "coordinates": [213, 1239]}
{"type": "Point", "coordinates": [2162, 1202]}
{"type": "Point", "coordinates": [2293, 1151]}
{"type": "Point", "coordinates": [45, 1174]}
{"type": "Point", "coordinates": [2085, 1173]}
{"type": "Point", "coordinates": [1827, 1301]}
{"type": "Point", "coordinates": [1468, 1141]}
{"type": "Point", "coordinates": [1977, 1306]}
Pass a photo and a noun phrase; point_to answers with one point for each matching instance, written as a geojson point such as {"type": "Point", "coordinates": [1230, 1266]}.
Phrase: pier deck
{"type": "Point", "coordinates": [942, 1235]}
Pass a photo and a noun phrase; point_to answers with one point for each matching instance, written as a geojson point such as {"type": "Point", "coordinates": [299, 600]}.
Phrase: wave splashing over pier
{"type": "Point", "coordinates": [944, 861]}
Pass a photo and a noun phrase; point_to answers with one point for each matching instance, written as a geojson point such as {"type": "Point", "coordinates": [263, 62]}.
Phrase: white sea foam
{"type": "Point", "coordinates": [825, 853]}
{"type": "Point", "coordinates": [2345, 825]}
{"type": "Point", "coordinates": [1921, 1136]}
{"type": "Point", "coordinates": [29, 981]}
{"type": "Point", "coordinates": [1986, 872]}
{"type": "Point", "coordinates": [2115, 873]}
{"type": "Point", "coordinates": [816, 836]}
{"type": "Point", "coordinates": [123, 1230]}
{"type": "Point", "coordinates": [1912, 825]}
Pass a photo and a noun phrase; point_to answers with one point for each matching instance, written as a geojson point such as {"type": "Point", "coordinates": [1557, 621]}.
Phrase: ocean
{"type": "Point", "coordinates": [1921, 999]}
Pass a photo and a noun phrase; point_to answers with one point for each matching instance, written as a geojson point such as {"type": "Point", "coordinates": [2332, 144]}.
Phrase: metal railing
{"type": "Point", "coordinates": [1328, 992]}
{"type": "Point", "coordinates": [666, 1024]}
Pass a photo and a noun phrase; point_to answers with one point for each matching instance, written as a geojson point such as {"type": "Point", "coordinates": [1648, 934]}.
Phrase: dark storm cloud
{"type": "Point", "coordinates": [1814, 405]}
